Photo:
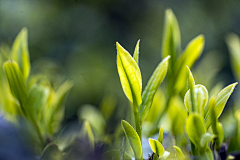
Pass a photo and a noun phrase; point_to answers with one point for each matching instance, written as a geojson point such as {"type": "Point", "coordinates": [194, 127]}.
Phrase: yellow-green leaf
{"type": "Point", "coordinates": [129, 74]}
{"type": "Point", "coordinates": [200, 99]}
{"type": "Point", "coordinates": [152, 87]}
{"type": "Point", "coordinates": [136, 52]}
{"type": "Point", "coordinates": [160, 135]}
{"type": "Point", "coordinates": [179, 152]}
{"type": "Point", "coordinates": [223, 97]}
{"type": "Point", "coordinates": [133, 138]}
{"type": "Point", "coordinates": [195, 128]}
{"type": "Point", "coordinates": [205, 138]}
{"type": "Point", "coordinates": [16, 81]}
{"type": "Point", "coordinates": [87, 131]}
{"type": "Point", "coordinates": [20, 52]}
{"type": "Point", "coordinates": [156, 147]}
{"type": "Point", "coordinates": [192, 52]}
{"type": "Point", "coordinates": [171, 44]}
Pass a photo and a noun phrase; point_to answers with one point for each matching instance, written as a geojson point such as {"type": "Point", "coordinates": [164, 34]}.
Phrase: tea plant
{"type": "Point", "coordinates": [202, 126]}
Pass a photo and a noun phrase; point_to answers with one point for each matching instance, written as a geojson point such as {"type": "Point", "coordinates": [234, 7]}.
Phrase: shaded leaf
{"type": "Point", "coordinates": [133, 138]}
{"type": "Point", "coordinates": [129, 74]}
{"type": "Point", "coordinates": [179, 152]}
{"type": "Point", "coordinates": [51, 152]}
{"type": "Point", "coordinates": [87, 131]}
{"type": "Point", "coordinates": [115, 154]}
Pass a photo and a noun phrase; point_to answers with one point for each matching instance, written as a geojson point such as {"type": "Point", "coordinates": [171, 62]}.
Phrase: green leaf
{"type": "Point", "coordinates": [160, 135]}
{"type": "Point", "coordinates": [87, 131]}
{"type": "Point", "coordinates": [195, 128]}
{"type": "Point", "coordinates": [115, 154]}
{"type": "Point", "coordinates": [205, 138]}
{"type": "Point", "coordinates": [200, 99]}
{"type": "Point", "coordinates": [233, 42]}
{"type": "Point", "coordinates": [156, 147]}
{"type": "Point", "coordinates": [191, 84]}
{"type": "Point", "coordinates": [171, 44]}
{"type": "Point", "coordinates": [20, 52]}
{"type": "Point", "coordinates": [16, 81]}
{"type": "Point", "coordinates": [220, 135]}
{"type": "Point", "coordinates": [129, 74]}
{"type": "Point", "coordinates": [223, 97]}
{"type": "Point", "coordinates": [37, 99]}
{"type": "Point", "coordinates": [133, 138]}
{"type": "Point", "coordinates": [136, 52]}
{"type": "Point", "coordinates": [179, 152]}
{"type": "Point", "coordinates": [192, 52]}
{"type": "Point", "coordinates": [152, 87]}
{"type": "Point", "coordinates": [51, 152]}
{"type": "Point", "coordinates": [208, 111]}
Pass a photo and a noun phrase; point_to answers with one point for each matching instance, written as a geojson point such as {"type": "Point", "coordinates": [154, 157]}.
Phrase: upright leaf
{"type": "Point", "coordinates": [20, 52]}
{"type": "Point", "coordinates": [171, 44]}
{"type": "Point", "coordinates": [206, 138]}
{"type": "Point", "coordinates": [179, 152]}
{"type": "Point", "coordinates": [192, 52]}
{"type": "Point", "coordinates": [152, 87]}
{"type": "Point", "coordinates": [51, 152]}
{"type": "Point", "coordinates": [129, 74]}
{"type": "Point", "coordinates": [87, 131]}
{"type": "Point", "coordinates": [15, 80]}
{"type": "Point", "coordinates": [156, 147]}
{"type": "Point", "coordinates": [233, 42]}
{"type": "Point", "coordinates": [136, 52]}
{"type": "Point", "coordinates": [133, 138]}
{"type": "Point", "coordinates": [160, 135]}
{"type": "Point", "coordinates": [195, 128]}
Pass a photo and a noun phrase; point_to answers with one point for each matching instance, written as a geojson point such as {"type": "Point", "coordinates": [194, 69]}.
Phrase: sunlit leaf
{"type": "Point", "coordinates": [152, 87]}
{"type": "Point", "coordinates": [129, 74]}
{"type": "Point", "coordinates": [195, 128]}
{"type": "Point", "coordinates": [192, 52]}
{"type": "Point", "coordinates": [156, 147]}
{"type": "Point", "coordinates": [133, 138]}
{"type": "Point", "coordinates": [160, 135]}
{"type": "Point", "coordinates": [136, 52]}
{"type": "Point", "coordinates": [200, 99]}
{"type": "Point", "coordinates": [20, 52]}
{"type": "Point", "coordinates": [165, 155]}
{"type": "Point", "coordinates": [15, 80]}
{"type": "Point", "coordinates": [223, 97]}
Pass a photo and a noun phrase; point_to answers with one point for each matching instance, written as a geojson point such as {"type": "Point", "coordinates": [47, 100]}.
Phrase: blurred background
{"type": "Point", "coordinates": [75, 40]}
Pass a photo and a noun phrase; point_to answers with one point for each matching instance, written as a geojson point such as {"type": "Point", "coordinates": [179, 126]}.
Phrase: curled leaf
{"type": "Point", "coordinates": [136, 52]}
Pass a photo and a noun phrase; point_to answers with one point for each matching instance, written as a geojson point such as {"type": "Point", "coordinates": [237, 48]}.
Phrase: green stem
{"type": "Point", "coordinates": [33, 120]}
{"type": "Point", "coordinates": [137, 122]}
